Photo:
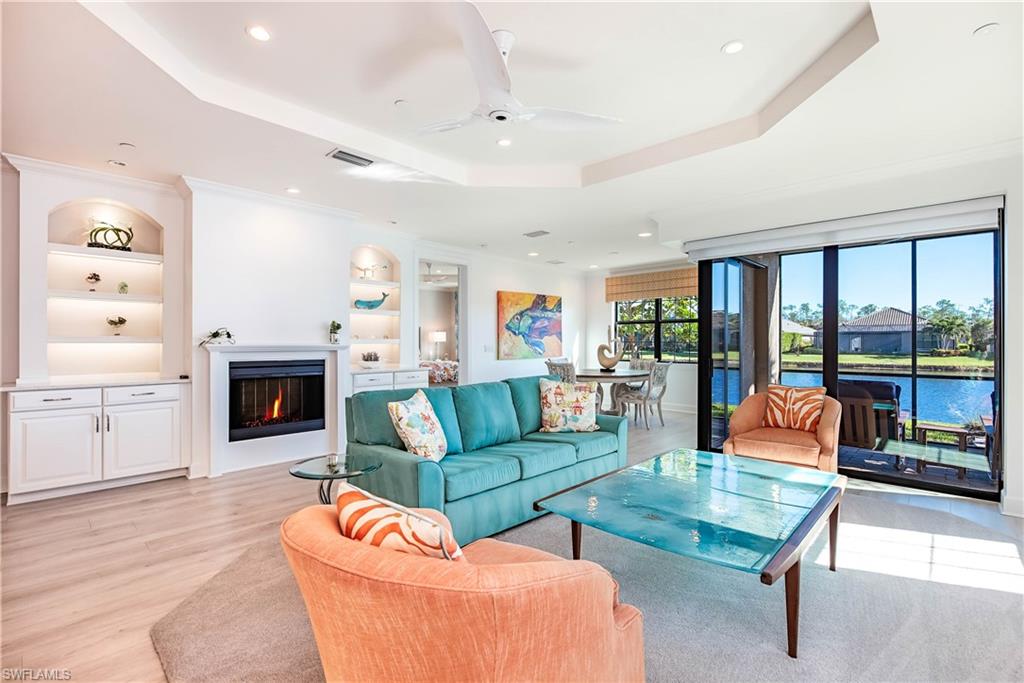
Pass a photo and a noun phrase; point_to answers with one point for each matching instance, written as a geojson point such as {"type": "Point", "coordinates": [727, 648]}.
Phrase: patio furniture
{"type": "Point", "coordinates": [791, 446]}
{"type": "Point", "coordinates": [961, 435]}
{"type": "Point", "coordinates": [859, 426]}
{"type": "Point", "coordinates": [645, 399]}
{"type": "Point", "coordinates": [753, 516]}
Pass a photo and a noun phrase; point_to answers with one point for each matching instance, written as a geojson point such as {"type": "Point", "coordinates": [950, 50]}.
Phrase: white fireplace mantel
{"type": "Point", "coordinates": [228, 456]}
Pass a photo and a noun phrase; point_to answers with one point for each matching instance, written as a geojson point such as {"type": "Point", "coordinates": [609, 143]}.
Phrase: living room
{"type": "Point", "coordinates": [269, 271]}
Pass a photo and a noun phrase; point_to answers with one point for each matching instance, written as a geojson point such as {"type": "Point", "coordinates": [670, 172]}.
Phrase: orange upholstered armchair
{"type": "Point", "coordinates": [510, 613]}
{"type": "Point", "coordinates": [791, 446]}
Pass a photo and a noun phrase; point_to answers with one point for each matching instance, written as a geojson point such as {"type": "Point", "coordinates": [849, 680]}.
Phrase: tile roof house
{"type": "Point", "coordinates": [887, 330]}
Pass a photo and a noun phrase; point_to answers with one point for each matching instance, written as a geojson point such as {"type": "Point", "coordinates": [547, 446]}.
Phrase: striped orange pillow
{"type": "Point", "coordinates": [379, 522]}
{"type": "Point", "coordinates": [794, 407]}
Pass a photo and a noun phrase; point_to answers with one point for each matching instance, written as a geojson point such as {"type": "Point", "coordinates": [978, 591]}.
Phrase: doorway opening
{"type": "Point", "coordinates": [440, 329]}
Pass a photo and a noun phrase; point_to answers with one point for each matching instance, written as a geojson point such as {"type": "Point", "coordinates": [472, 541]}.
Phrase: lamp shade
{"type": "Point", "coordinates": [439, 337]}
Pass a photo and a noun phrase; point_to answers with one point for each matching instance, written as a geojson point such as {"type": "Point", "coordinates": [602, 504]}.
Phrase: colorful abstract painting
{"type": "Point", "coordinates": [529, 325]}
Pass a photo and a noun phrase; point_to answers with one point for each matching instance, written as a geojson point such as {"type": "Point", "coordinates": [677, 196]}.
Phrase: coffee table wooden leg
{"type": "Point", "coordinates": [833, 538]}
{"type": "Point", "coordinates": [793, 607]}
{"type": "Point", "coordinates": [577, 537]}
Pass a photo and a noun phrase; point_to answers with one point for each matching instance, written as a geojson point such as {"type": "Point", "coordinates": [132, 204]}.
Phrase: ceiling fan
{"type": "Point", "coordinates": [487, 52]}
{"type": "Point", "coordinates": [431, 277]}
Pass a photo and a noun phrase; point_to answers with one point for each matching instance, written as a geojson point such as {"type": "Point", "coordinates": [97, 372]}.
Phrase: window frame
{"type": "Point", "coordinates": [657, 322]}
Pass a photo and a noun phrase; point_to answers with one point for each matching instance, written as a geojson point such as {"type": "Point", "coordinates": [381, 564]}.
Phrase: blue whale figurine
{"type": "Point", "coordinates": [370, 304]}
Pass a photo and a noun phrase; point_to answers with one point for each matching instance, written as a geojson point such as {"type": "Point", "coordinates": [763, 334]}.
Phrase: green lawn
{"type": "Point", "coordinates": [865, 360]}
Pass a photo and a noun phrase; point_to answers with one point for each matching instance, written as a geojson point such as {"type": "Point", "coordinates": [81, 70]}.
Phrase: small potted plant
{"type": "Point", "coordinates": [122, 287]}
{"type": "Point", "coordinates": [93, 279]}
{"type": "Point", "coordinates": [117, 323]}
{"type": "Point", "coordinates": [371, 359]}
{"type": "Point", "coordinates": [333, 331]}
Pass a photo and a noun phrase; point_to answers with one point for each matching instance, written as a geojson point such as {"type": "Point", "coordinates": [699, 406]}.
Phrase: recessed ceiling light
{"type": "Point", "coordinates": [393, 222]}
{"type": "Point", "coordinates": [116, 162]}
{"type": "Point", "coordinates": [504, 142]}
{"type": "Point", "coordinates": [400, 102]}
{"type": "Point", "coordinates": [592, 265]}
{"type": "Point", "coordinates": [732, 47]}
{"type": "Point", "coordinates": [533, 253]}
{"type": "Point", "coordinates": [259, 33]}
{"type": "Point", "coordinates": [644, 234]}
{"type": "Point", "coordinates": [292, 190]}
{"type": "Point", "coordinates": [986, 29]}
{"type": "Point", "coordinates": [613, 253]}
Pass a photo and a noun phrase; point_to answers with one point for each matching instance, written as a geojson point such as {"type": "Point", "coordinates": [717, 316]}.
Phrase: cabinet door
{"type": "Point", "coordinates": [53, 448]}
{"type": "Point", "coordinates": [141, 438]}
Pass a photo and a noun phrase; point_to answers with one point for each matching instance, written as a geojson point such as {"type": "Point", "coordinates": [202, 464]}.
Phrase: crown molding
{"type": "Point", "coordinates": [190, 186]}
{"type": "Point", "coordinates": [28, 164]}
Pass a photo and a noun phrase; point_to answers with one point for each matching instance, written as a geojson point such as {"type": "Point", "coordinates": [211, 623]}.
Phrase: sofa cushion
{"type": "Point", "coordinates": [587, 444]}
{"type": "Point", "coordinates": [535, 457]}
{"type": "Point", "coordinates": [486, 415]}
{"type": "Point", "coordinates": [781, 445]}
{"type": "Point", "coordinates": [526, 399]}
{"type": "Point", "coordinates": [373, 425]}
{"type": "Point", "coordinates": [417, 426]}
{"type": "Point", "coordinates": [469, 473]}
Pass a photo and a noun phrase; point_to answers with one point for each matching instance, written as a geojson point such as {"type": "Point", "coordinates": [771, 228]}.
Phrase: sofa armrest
{"type": "Point", "coordinates": [828, 435]}
{"type": "Point", "coordinates": [617, 425]}
{"type": "Point", "coordinates": [748, 415]}
{"type": "Point", "coordinates": [405, 478]}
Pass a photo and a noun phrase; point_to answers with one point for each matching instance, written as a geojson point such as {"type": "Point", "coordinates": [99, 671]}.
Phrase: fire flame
{"type": "Point", "coordinates": [273, 414]}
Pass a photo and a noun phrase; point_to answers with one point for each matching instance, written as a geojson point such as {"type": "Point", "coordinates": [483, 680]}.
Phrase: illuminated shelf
{"type": "Point", "coordinates": [376, 311]}
{"type": "Point", "coordinates": [103, 296]}
{"type": "Point", "coordinates": [387, 284]}
{"type": "Point", "coordinates": [96, 252]}
{"type": "Point", "coordinates": [106, 340]}
{"type": "Point", "coordinates": [373, 341]}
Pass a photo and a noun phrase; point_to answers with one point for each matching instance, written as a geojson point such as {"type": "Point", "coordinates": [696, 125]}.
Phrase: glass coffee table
{"type": "Point", "coordinates": [751, 515]}
{"type": "Point", "coordinates": [327, 469]}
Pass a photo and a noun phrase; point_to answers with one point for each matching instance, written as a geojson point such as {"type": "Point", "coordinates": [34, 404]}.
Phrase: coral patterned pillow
{"type": "Point", "coordinates": [418, 427]}
{"type": "Point", "coordinates": [794, 407]}
{"type": "Point", "coordinates": [568, 406]}
{"type": "Point", "coordinates": [379, 522]}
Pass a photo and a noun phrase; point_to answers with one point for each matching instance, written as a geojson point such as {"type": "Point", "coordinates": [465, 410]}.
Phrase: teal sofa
{"type": "Point", "coordinates": [498, 462]}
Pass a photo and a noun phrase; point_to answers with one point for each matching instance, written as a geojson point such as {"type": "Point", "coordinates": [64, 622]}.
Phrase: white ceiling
{"type": "Point", "coordinates": [73, 89]}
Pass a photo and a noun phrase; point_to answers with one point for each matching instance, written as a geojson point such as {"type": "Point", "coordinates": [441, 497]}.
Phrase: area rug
{"type": "Point", "coordinates": [920, 595]}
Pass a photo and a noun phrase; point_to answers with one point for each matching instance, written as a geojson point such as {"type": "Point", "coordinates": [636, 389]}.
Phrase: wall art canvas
{"type": "Point", "coordinates": [529, 325]}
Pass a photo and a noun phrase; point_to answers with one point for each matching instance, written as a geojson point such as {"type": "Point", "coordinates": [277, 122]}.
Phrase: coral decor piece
{"type": "Point", "coordinates": [122, 287]}
{"type": "Point", "coordinates": [529, 325]}
{"type": "Point", "coordinates": [221, 335]}
{"type": "Point", "coordinates": [370, 304]}
{"type": "Point", "coordinates": [117, 323]}
{"type": "Point", "coordinates": [93, 279]}
{"type": "Point", "coordinates": [370, 270]}
{"type": "Point", "coordinates": [106, 235]}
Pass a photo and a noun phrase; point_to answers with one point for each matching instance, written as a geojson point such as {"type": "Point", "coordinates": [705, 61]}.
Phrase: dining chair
{"type": "Point", "coordinates": [564, 368]}
{"type": "Point", "coordinates": [647, 397]}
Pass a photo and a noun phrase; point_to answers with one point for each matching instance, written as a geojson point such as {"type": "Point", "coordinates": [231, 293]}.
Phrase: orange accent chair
{"type": "Point", "coordinates": [510, 613]}
{"type": "Point", "coordinates": [791, 446]}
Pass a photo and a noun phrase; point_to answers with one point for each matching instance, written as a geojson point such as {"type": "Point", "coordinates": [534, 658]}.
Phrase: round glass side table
{"type": "Point", "coordinates": [327, 469]}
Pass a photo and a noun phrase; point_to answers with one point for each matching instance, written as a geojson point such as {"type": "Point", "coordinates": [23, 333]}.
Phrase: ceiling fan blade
{"type": "Point", "coordinates": [562, 119]}
{"type": "Point", "coordinates": [450, 124]}
{"type": "Point", "coordinates": [484, 57]}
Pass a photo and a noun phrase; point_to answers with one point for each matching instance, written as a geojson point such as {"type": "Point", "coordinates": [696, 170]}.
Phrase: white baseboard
{"type": "Point", "coordinates": [30, 496]}
{"type": "Point", "coordinates": [680, 408]}
{"type": "Point", "coordinates": [1014, 507]}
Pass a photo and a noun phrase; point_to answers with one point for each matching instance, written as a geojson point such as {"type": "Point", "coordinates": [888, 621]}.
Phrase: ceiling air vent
{"type": "Point", "coordinates": [556, 262]}
{"type": "Point", "coordinates": [348, 158]}
{"type": "Point", "coordinates": [536, 233]}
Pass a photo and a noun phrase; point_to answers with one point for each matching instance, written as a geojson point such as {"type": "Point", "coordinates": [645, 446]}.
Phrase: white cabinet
{"type": "Point", "coordinates": [391, 379]}
{"type": "Point", "coordinates": [141, 438]}
{"type": "Point", "coordinates": [61, 438]}
{"type": "Point", "coordinates": [53, 448]}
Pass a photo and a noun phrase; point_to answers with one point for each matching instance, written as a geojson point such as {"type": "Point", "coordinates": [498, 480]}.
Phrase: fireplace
{"type": "Point", "coordinates": [271, 398]}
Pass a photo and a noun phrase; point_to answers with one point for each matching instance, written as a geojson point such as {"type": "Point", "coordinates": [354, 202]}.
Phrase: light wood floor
{"type": "Point", "coordinates": [85, 577]}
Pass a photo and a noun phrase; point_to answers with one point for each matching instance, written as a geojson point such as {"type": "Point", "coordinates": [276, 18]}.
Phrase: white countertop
{"type": "Point", "coordinates": [384, 367]}
{"type": "Point", "coordinates": [79, 381]}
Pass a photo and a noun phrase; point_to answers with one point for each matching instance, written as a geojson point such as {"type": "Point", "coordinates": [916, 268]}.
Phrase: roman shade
{"type": "Point", "coordinates": [938, 219]}
{"type": "Point", "coordinates": [662, 283]}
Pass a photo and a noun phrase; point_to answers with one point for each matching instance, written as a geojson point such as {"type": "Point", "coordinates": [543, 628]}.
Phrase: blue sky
{"type": "Point", "coordinates": [956, 268]}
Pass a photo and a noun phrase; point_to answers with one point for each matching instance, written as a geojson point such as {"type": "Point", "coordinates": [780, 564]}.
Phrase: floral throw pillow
{"type": "Point", "coordinates": [377, 521]}
{"type": "Point", "coordinates": [794, 407]}
{"type": "Point", "coordinates": [568, 406]}
{"type": "Point", "coordinates": [418, 427]}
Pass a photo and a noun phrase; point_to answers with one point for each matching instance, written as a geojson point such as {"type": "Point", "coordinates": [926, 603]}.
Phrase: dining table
{"type": "Point", "coordinates": [617, 378]}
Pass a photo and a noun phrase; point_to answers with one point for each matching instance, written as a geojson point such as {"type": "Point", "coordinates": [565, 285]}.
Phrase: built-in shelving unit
{"type": "Point", "coordinates": [375, 329]}
{"type": "Point", "coordinates": [79, 338]}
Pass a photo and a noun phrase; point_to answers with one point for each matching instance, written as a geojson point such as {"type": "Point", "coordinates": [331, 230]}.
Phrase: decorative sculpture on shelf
{"type": "Point", "coordinates": [105, 235]}
{"type": "Point", "coordinates": [371, 359]}
{"type": "Point", "coordinates": [371, 269]}
{"type": "Point", "coordinates": [333, 331]}
{"type": "Point", "coordinates": [609, 355]}
{"type": "Point", "coordinates": [122, 287]}
{"type": "Point", "coordinates": [93, 279]}
{"type": "Point", "coordinates": [370, 304]}
{"type": "Point", "coordinates": [117, 323]}
{"type": "Point", "coordinates": [221, 335]}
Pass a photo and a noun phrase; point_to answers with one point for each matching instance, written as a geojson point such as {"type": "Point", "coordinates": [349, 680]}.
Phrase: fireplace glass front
{"type": "Point", "coordinates": [271, 398]}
